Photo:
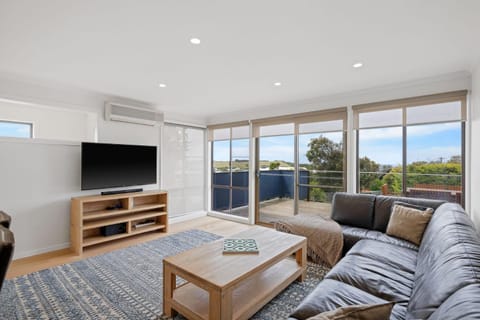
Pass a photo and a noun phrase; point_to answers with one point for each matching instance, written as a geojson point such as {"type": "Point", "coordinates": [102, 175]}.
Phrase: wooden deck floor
{"type": "Point", "coordinates": [273, 210]}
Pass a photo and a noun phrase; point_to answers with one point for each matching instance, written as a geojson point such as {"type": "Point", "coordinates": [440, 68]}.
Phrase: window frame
{"type": "Point", "coordinates": [339, 113]}
{"type": "Point", "coordinates": [404, 105]}
{"type": "Point", "coordinates": [230, 187]}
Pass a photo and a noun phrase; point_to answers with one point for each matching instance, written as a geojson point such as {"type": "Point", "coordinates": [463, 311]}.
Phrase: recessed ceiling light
{"type": "Point", "coordinates": [277, 84]}
{"type": "Point", "coordinates": [162, 85]}
{"type": "Point", "coordinates": [195, 41]}
{"type": "Point", "coordinates": [357, 65]}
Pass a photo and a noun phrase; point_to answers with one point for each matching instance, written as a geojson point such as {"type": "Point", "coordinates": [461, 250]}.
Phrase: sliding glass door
{"type": "Point", "coordinates": [276, 177]}
{"type": "Point", "coordinates": [299, 166]}
{"type": "Point", "coordinates": [321, 171]}
{"type": "Point", "coordinates": [230, 170]}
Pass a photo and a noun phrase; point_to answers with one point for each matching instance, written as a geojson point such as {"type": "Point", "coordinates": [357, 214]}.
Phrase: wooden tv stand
{"type": "Point", "coordinates": [90, 213]}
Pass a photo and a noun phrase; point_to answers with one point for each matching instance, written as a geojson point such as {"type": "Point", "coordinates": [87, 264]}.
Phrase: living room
{"type": "Point", "coordinates": [252, 117]}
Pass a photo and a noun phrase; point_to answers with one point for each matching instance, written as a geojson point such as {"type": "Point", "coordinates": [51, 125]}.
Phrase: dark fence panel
{"type": "Point", "coordinates": [274, 184]}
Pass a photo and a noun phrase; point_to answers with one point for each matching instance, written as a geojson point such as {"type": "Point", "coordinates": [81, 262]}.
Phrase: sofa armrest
{"type": "Point", "coordinates": [5, 219]}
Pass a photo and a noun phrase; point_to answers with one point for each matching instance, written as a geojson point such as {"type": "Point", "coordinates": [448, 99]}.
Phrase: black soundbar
{"type": "Point", "coordinates": [106, 193]}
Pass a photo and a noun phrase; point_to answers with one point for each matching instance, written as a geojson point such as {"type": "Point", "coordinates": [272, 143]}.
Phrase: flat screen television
{"type": "Point", "coordinates": [117, 165]}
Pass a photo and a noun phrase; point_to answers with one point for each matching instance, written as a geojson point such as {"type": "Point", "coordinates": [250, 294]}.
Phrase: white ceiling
{"type": "Point", "coordinates": [128, 47]}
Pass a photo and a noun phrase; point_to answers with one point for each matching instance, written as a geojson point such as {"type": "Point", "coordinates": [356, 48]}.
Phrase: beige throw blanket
{"type": "Point", "coordinates": [324, 236]}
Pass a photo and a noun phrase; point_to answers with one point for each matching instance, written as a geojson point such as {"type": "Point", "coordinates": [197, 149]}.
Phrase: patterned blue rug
{"type": "Point", "coordinates": [123, 284]}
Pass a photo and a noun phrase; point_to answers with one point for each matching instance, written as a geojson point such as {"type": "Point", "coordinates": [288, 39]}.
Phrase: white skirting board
{"type": "Point", "coordinates": [177, 219]}
{"type": "Point", "coordinates": [35, 252]}
{"type": "Point", "coordinates": [228, 217]}
{"type": "Point", "coordinates": [186, 216]}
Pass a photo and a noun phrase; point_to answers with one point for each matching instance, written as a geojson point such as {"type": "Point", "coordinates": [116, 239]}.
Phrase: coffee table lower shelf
{"type": "Point", "coordinates": [247, 298]}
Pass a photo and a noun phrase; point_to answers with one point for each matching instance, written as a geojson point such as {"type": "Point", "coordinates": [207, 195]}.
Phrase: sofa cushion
{"type": "Point", "coordinates": [390, 254]}
{"type": "Point", "coordinates": [330, 295]}
{"type": "Point", "coordinates": [353, 209]}
{"type": "Point", "coordinates": [448, 260]}
{"type": "Point", "coordinates": [352, 235]}
{"type": "Point", "coordinates": [358, 312]}
{"type": "Point", "coordinates": [384, 270]}
{"type": "Point", "coordinates": [383, 208]}
{"type": "Point", "coordinates": [408, 223]}
{"type": "Point", "coordinates": [463, 304]}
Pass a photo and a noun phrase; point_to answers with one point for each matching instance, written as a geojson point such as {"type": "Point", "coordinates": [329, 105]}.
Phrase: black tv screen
{"type": "Point", "coordinates": [117, 165]}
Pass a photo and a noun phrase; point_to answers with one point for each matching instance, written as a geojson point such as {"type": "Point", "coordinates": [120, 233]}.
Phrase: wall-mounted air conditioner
{"type": "Point", "coordinates": [120, 112]}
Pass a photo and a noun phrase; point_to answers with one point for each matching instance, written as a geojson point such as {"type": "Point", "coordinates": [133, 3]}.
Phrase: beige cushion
{"type": "Point", "coordinates": [409, 223]}
{"type": "Point", "coordinates": [358, 312]}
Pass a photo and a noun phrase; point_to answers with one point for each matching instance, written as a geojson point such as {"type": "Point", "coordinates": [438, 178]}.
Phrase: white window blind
{"type": "Point", "coordinates": [437, 108]}
{"type": "Point", "coordinates": [440, 112]}
{"type": "Point", "coordinates": [277, 130]}
{"type": "Point", "coordinates": [221, 134]}
{"type": "Point", "coordinates": [311, 122]}
{"type": "Point", "coordinates": [321, 126]}
{"type": "Point", "coordinates": [376, 119]}
{"type": "Point", "coordinates": [242, 132]}
{"type": "Point", "coordinates": [184, 168]}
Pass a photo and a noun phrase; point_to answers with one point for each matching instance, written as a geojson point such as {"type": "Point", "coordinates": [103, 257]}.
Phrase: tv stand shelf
{"type": "Point", "coordinates": [90, 214]}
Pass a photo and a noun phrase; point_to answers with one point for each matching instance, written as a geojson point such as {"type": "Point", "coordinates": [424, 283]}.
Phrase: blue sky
{"type": "Point", "coordinates": [271, 148]}
{"type": "Point", "coordinates": [424, 143]}
{"type": "Point", "coordinates": [11, 129]}
{"type": "Point", "coordinates": [384, 145]}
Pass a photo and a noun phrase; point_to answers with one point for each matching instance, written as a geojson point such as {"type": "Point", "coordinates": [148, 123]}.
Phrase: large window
{"type": "Point", "coordinates": [230, 147]}
{"type": "Point", "coordinates": [16, 129]}
{"type": "Point", "coordinates": [413, 147]}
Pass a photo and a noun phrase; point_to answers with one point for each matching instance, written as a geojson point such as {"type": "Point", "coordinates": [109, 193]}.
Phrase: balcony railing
{"type": "Point", "coordinates": [314, 186]}
{"type": "Point", "coordinates": [441, 186]}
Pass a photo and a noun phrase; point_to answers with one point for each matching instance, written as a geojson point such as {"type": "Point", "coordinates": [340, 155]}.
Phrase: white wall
{"type": "Point", "coordinates": [475, 147]}
{"type": "Point", "coordinates": [38, 178]}
{"type": "Point", "coordinates": [52, 123]}
{"type": "Point", "coordinates": [37, 181]}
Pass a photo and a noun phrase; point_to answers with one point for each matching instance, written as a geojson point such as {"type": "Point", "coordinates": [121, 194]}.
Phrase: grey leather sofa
{"type": "Point", "coordinates": [440, 279]}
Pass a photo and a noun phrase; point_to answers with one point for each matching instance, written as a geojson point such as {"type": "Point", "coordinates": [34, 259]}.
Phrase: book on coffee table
{"type": "Point", "coordinates": [239, 246]}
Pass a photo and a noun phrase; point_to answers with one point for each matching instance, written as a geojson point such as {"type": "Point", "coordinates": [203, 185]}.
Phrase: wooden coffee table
{"type": "Point", "coordinates": [233, 286]}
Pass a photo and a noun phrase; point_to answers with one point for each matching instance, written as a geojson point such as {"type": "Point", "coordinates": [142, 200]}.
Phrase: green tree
{"type": "Point", "coordinates": [274, 165]}
{"type": "Point", "coordinates": [393, 179]}
{"type": "Point", "coordinates": [317, 195]}
{"type": "Point", "coordinates": [324, 154]}
{"type": "Point", "coordinates": [376, 185]}
{"type": "Point", "coordinates": [369, 176]}
{"type": "Point", "coordinates": [434, 173]}
{"type": "Point", "coordinates": [326, 166]}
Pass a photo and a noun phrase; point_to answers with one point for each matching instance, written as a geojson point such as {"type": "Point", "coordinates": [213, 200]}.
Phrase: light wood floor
{"type": "Point", "coordinates": [43, 261]}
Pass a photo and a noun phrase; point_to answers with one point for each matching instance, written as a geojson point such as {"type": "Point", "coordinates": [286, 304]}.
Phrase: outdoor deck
{"type": "Point", "coordinates": [273, 210]}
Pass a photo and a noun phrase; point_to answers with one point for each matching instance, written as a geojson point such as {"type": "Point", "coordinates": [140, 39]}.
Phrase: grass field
{"type": "Point", "coordinates": [243, 165]}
